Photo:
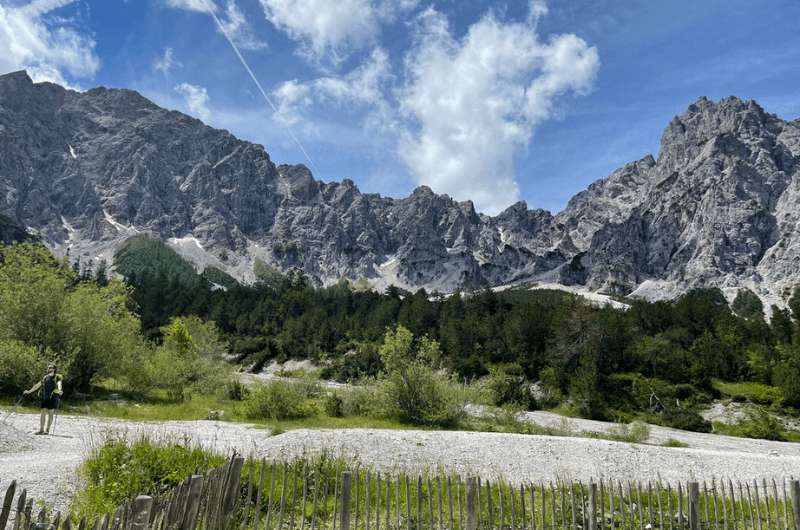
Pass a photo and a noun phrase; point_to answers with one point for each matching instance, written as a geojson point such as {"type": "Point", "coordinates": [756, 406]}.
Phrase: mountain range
{"type": "Point", "coordinates": [719, 206]}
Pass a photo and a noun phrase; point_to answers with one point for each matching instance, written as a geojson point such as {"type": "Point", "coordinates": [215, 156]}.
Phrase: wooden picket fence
{"type": "Point", "coordinates": [249, 495]}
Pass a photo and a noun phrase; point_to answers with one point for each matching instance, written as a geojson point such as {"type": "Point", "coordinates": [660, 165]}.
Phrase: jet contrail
{"type": "Point", "coordinates": [258, 84]}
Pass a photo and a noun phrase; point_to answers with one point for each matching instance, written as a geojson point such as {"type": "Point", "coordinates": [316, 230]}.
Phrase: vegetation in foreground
{"type": "Point", "coordinates": [307, 491]}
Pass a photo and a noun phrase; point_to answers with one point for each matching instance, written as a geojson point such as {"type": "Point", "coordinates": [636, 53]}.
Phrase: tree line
{"type": "Point", "coordinates": [660, 358]}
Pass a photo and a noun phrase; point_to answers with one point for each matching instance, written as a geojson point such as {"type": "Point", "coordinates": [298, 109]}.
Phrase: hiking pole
{"type": "Point", "coordinates": [14, 408]}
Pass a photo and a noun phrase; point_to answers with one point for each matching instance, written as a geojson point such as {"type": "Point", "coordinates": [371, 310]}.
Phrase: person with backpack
{"type": "Point", "coordinates": [50, 391]}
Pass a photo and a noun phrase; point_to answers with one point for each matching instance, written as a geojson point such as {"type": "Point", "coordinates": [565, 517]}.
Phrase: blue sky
{"type": "Point", "coordinates": [489, 101]}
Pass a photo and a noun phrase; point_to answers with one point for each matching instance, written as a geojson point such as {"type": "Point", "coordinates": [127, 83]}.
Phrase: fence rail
{"type": "Point", "coordinates": [305, 495]}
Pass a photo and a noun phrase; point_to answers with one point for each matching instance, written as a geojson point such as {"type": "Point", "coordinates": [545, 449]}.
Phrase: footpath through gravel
{"type": "Point", "coordinates": [47, 465]}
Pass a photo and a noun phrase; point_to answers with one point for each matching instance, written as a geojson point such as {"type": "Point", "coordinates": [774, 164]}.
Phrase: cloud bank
{"type": "Point", "coordinates": [47, 47]}
{"type": "Point", "coordinates": [332, 29]}
{"type": "Point", "coordinates": [231, 18]}
{"type": "Point", "coordinates": [474, 102]}
{"type": "Point", "coordinates": [196, 98]}
{"type": "Point", "coordinates": [462, 107]}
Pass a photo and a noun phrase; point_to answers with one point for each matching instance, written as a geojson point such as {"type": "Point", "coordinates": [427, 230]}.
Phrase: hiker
{"type": "Point", "coordinates": [50, 391]}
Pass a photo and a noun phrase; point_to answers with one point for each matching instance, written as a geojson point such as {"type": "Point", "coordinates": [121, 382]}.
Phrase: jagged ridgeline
{"type": "Point", "coordinates": [716, 208]}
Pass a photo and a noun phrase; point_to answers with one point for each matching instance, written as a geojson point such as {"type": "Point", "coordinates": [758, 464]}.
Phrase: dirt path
{"type": "Point", "coordinates": [46, 465]}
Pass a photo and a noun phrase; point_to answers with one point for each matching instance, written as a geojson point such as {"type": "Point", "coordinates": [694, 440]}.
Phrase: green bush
{"type": "Point", "coordinates": [366, 400]}
{"type": "Point", "coordinates": [120, 470]}
{"type": "Point", "coordinates": [235, 390]}
{"type": "Point", "coordinates": [422, 396]}
{"type": "Point", "coordinates": [20, 367]}
{"type": "Point", "coordinates": [332, 404]}
{"type": "Point", "coordinates": [758, 423]}
{"type": "Point", "coordinates": [415, 392]}
{"type": "Point", "coordinates": [636, 432]}
{"type": "Point", "coordinates": [278, 400]}
{"type": "Point", "coordinates": [685, 420]}
{"type": "Point", "coordinates": [507, 384]}
{"type": "Point", "coordinates": [672, 442]}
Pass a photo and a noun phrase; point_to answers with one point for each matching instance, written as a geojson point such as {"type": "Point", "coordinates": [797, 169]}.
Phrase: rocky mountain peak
{"type": "Point", "coordinates": [88, 170]}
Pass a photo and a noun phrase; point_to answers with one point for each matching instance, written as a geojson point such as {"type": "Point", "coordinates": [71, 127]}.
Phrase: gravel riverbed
{"type": "Point", "coordinates": [48, 465]}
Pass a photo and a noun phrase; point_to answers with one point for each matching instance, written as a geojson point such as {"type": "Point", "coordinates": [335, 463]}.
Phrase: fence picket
{"type": "Point", "coordinates": [345, 501]}
{"type": "Point", "coordinates": [501, 503]}
{"type": "Point", "coordinates": [775, 503]}
{"type": "Point", "coordinates": [572, 505]}
{"type": "Point", "coordinates": [282, 506]}
{"type": "Point", "coordinates": [419, 502]}
{"type": "Point", "coordinates": [367, 499]}
{"type": "Point", "coordinates": [18, 519]}
{"type": "Point", "coordinates": [522, 507]}
{"type": "Point", "coordinates": [304, 498]}
{"type": "Point", "coordinates": [794, 485]}
{"type": "Point", "coordinates": [7, 501]}
{"type": "Point", "coordinates": [472, 508]}
{"type": "Point", "coordinates": [430, 502]}
{"type": "Point", "coordinates": [694, 505]}
{"type": "Point", "coordinates": [271, 498]}
{"type": "Point", "coordinates": [259, 496]}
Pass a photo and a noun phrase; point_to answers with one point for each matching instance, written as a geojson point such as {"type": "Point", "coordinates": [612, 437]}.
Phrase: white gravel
{"type": "Point", "coordinates": [48, 467]}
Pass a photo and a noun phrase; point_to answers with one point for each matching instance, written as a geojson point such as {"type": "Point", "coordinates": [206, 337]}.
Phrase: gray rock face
{"type": "Point", "coordinates": [719, 207]}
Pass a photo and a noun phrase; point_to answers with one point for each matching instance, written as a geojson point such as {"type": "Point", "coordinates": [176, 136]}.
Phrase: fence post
{"type": "Point", "coordinates": [345, 513]}
{"type": "Point", "coordinates": [19, 518]}
{"type": "Point", "coordinates": [795, 485]}
{"type": "Point", "coordinates": [694, 506]}
{"type": "Point", "coordinates": [231, 491]}
{"type": "Point", "coordinates": [592, 505]}
{"type": "Point", "coordinates": [193, 503]}
{"type": "Point", "coordinates": [141, 512]}
{"type": "Point", "coordinates": [8, 500]}
{"type": "Point", "coordinates": [472, 509]}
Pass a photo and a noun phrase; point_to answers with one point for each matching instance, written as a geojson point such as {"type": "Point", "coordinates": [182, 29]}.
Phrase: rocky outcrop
{"type": "Point", "coordinates": [719, 206]}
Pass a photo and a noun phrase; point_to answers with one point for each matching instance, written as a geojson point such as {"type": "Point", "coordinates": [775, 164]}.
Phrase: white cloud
{"type": "Point", "coordinates": [202, 6]}
{"type": "Point", "coordinates": [475, 101]}
{"type": "Point", "coordinates": [47, 49]}
{"type": "Point", "coordinates": [166, 62]}
{"type": "Point", "coordinates": [196, 98]}
{"type": "Point", "coordinates": [331, 29]}
{"type": "Point", "coordinates": [232, 20]}
{"type": "Point", "coordinates": [363, 86]}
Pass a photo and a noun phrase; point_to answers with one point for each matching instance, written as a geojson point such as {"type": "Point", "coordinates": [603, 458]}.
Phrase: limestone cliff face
{"type": "Point", "coordinates": [87, 170]}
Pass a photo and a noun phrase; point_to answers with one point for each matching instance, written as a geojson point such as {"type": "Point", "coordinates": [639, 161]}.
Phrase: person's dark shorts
{"type": "Point", "coordinates": [50, 403]}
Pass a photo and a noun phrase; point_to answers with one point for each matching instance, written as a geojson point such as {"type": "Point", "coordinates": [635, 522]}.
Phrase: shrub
{"type": "Point", "coordinates": [685, 419]}
{"type": "Point", "coordinates": [507, 384]}
{"type": "Point", "coordinates": [636, 432]}
{"type": "Point", "coordinates": [20, 367]}
{"type": "Point", "coordinates": [367, 400]}
{"type": "Point", "coordinates": [414, 391]}
{"type": "Point", "coordinates": [235, 390]}
{"type": "Point", "coordinates": [120, 470]}
{"type": "Point", "coordinates": [332, 405]}
{"type": "Point", "coordinates": [758, 423]}
{"type": "Point", "coordinates": [550, 390]}
{"type": "Point", "coordinates": [672, 442]}
{"type": "Point", "coordinates": [278, 400]}
{"type": "Point", "coordinates": [421, 396]}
